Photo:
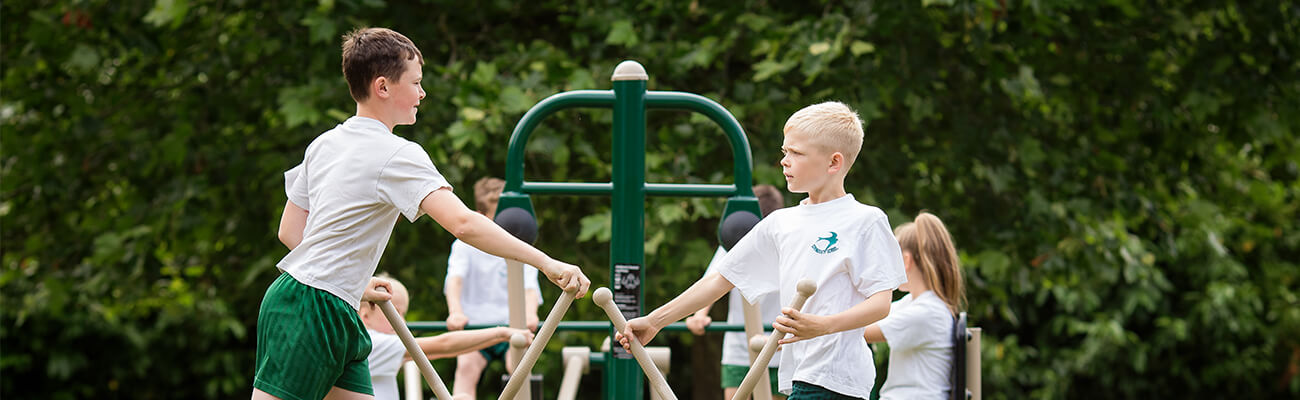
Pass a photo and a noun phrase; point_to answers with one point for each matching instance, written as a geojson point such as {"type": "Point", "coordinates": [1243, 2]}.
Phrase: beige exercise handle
{"type": "Point", "coordinates": [515, 298]}
{"type": "Point", "coordinates": [605, 299]}
{"type": "Point", "coordinates": [525, 367]}
{"type": "Point", "coordinates": [753, 331]}
{"type": "Point", "coordinates": [413, 349]}
{"type": "Point", "coordinates": [805, 288]}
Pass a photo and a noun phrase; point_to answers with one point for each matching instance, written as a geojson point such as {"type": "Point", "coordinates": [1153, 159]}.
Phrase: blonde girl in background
{"type": "Point", "coordinates": [919, 326]}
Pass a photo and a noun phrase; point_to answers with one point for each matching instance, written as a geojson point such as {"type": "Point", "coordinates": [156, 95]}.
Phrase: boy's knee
{"type": "Point", "coordinates": [472, 360]}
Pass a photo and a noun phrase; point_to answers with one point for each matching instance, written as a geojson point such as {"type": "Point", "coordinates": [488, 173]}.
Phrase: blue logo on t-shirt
{"type": "Point", "coordinates": [830, 244]}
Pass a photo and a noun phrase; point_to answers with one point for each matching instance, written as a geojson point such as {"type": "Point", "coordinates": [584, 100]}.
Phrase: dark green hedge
{"type": "Point", "coordinates": [1121, 179]}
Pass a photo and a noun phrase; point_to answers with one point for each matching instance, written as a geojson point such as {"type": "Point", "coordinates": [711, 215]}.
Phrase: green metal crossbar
{"type": "Point", "coordinates": [578, 326]}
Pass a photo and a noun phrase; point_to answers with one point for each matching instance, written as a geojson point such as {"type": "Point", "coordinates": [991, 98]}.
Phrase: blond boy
{"type": "Point", "coordinates": [847, 248]}
{"type": "Point", "coordinates": [387, 352]}
{"type": "Point", "coordinates": [353, 183]}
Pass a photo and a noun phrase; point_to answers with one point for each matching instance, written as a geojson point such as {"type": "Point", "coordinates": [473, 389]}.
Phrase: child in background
{"type": "Point", "coordinates": [735, 348]}
{"type": "Point", "coordinates": [388, 353]}
{"type": "Point", "coordinates": [476, 293]}
{"type": "Point", "coordinates": [919, 326]}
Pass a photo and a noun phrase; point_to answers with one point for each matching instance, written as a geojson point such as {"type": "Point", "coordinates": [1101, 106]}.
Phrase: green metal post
{"type": "Point", "coordinates": [627, 242]}
{"type": "Point", "coordinates": [628, 190]}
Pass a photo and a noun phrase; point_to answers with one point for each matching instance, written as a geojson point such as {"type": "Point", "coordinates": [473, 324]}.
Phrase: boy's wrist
{"type": "Point", "coordinates": [656, 319]}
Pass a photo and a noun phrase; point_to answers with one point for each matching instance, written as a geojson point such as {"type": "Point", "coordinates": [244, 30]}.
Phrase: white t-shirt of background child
{"type": "Point", "coordinates": [483, 295]}
{"type": "Point", "coordinates": [919, 333]}
{"type": "Point", "coordinates": [845, 247]}
{"type": "Point", "coordinates": [386, 354]}
{"type": "Point", "coordinates": [354, 181]}
{"type": "Point", "coordinates": [735, 349]}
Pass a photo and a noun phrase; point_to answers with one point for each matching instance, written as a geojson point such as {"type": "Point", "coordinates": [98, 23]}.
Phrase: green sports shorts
{"type": "Point", "coordinates": [495, 352]}
{"type": "Point", "coordinates": [733, 375]}
{"type": "Point", "coordinates": [808, 391]}
{"type": "Point", "coordinates": [309, 341]}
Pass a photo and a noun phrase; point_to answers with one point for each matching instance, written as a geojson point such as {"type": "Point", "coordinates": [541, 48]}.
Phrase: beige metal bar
{"type": "Point", "coordinates": [577, 361]}
{"type": "Point", "coordinates": [411, 379]}
{"type": "Point", "coordinates": [525, 367]}
{"type": "Point", "coordinates": [805, 288]}
{"type": "Point", "coordinates": [753, 330]}
{"type": "Point", "coordinates": [515, 293]}
{"type": "Point", "coordinates": [413, 349]}
{"type": "Point", "coordinates": [605, 299]}
{"type": "Point", "coordinates": [973, 374]}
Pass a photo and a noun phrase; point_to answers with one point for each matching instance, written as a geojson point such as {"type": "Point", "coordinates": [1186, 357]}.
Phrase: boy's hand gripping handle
{"type": "Point", "coordinates": [605, 299]}
{"type": "Point", "coordinates": [413, 349]}
{"type": "Point", "coordinates": [525, 367]}
{"type": "Point", "coordinates": [759, 368]}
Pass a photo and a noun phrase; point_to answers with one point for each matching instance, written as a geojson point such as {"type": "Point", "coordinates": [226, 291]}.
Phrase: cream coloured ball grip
{"type": "Point", "coordinates": [605, 299]}
{"type": "Point", "coordinates": [525, 367]}
{"type": "Point", "coordinates": [805, 288]}
{"type": "Point", "coordinates": [413, 349]}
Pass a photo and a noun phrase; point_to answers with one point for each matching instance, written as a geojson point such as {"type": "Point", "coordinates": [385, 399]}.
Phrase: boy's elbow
{"type": "Point", "coordinates": [289, 239]}
{"type": "Point", "coordinates": [462, 227]}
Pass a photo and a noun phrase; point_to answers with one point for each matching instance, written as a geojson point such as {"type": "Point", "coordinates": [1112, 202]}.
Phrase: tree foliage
{"type": "Point", "coordinates": [1121, 178]}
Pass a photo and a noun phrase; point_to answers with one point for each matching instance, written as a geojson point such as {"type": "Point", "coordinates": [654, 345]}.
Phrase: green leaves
{"type": "Point", "coordinates": [1115, 176]}
{"type": "Point", "coordinates": [622, 33]}
{"type": "Point", "coordinates": [168, 13]}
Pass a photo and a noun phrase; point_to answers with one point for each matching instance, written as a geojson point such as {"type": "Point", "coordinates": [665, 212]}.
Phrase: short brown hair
{"type": "Point", "coordinates": [486, 191]}
{"type": "Point", "coordinates": [369, 53]}
{"type": "Point", "coordinates": [769, 199]}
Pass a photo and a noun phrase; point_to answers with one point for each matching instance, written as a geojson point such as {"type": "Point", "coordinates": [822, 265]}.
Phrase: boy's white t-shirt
{"type": "Point", "coordinates": [386, 354]}
{"type": "Point", "coordinates": [919, 333]}
{"type": "Point", "coordinates": [735, 349]}
{"type": "Point", "coordinates": [354, 181]}
{"type": "Point", "coordinates": [483, 295]}
{"type": "Point", "coordinates": [845, 247]}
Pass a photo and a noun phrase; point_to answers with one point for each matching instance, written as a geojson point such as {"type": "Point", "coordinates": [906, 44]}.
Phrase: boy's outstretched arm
{"type": "Point", "coordinates": [452, 344]}
{"type": "Point", "coordinates": [292, 223]}
{"type": "Point", "coordinates": [704, 292]}
{"type": "Point", "coordinates": [802, 326]}
{"type": "Point", "coordinates": [456, 318]}
{"type": "Point", "coordinates": [479, 231]}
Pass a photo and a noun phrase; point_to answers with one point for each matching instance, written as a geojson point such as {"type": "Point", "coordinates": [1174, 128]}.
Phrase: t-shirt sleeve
{"type": "Point", "coordinates": [386, 354]}
{"type": "Point", "coordinates": [407, 178]}
{"type": "Point", "coordinates": [295, 186]}
{"type": "Point", "coordinates": [457, 263]}
{"type": "Point", "coordinates": [878, 266]}
{"type": "Point", "coordinates": [753, 264]}
{"type": "Point", "coordinates": [713, 263]}
{"type": "Point", "coordinates": [905, 327]}
{"type": "Point", "coordinates": [530, 282]}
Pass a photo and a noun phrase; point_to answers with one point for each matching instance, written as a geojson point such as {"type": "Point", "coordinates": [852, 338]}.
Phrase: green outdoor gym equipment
{"type": "Point", "coordinates": [628, 189]}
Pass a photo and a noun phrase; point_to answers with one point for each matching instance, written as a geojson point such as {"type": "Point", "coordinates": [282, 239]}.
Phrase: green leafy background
{"type": "Point", "coordinates": [1120, 178]}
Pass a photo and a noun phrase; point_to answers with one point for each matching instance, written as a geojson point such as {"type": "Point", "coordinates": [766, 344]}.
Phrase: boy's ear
{"type": "Point", "coordinates": [837, 162]}
{"type": "Point", "coordinates": [379, 87]}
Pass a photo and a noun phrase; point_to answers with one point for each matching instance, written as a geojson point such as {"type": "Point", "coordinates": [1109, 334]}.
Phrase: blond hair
{"type": "Point", "coordinates": [487, 191]}
{"type": "Point", "coordinates": [932, 250]}
{"type": "Point", "coordinates": [832, 126]}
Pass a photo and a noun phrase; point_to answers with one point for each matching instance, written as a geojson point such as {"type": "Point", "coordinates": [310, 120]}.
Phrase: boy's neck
{"type": "Point", "coordinates": [827, 193]}
{"type": "Point", "coordinates": [368, 111]}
